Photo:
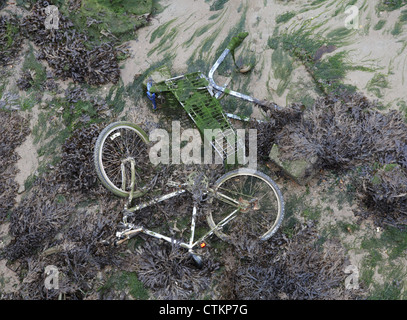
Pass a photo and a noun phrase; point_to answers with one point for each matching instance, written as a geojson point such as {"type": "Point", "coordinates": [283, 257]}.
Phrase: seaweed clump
{"type": "Point", "coordinates": [383, 190]}
{"type": "Point", "coordinates": [348, 133]}
{"type": "Point", "coordinates": [268, 130]}
{"type": "Point", "coordinates": [25, 81]}
{"type": "Point", "coordinates": [77, 155]}
{"type": "Point", "coordinates": [282, 268]}
{"type": "Point", "coordinates": [50, 226]}
{"type": "Point", "coordinates": [170, 273]}
{"type": "Point", "coordinates": [69, 52]}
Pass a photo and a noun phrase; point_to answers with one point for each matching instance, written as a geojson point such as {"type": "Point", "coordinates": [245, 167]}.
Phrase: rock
{"type": "Point", "coordinates": [21, 189]}
{"type": "Point", "coordinates": [301, 170]}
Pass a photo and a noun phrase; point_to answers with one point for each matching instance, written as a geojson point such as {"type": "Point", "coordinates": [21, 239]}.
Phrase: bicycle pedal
{"type": "Point", "coordinates": [197, 260]}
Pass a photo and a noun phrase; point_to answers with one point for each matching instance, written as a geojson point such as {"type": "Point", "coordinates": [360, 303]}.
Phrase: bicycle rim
{"type": "Point", "coordinates": [251, 203]}
{"type": "Point", "coordinates": [116, 143]}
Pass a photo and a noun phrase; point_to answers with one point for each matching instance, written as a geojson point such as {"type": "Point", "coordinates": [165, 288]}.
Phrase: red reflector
{"type": "Point", "coordinates": [203, 245]}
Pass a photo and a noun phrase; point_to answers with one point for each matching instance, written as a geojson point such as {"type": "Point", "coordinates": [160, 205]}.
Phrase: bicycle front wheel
{"type": "Point", "coordinates": [116, 145]}
{"type": "Point", "coordinates": [245, 201]}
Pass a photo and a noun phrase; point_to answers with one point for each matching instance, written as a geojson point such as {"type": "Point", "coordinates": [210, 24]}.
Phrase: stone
{"type": "Point", "coordinates": [301, 170]}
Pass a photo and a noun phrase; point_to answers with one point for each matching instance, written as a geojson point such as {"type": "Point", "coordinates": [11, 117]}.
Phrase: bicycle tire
{"type": "Point", "coordinates": [272, 225]}
{"type": "Point", "coordinates": [118, 129]}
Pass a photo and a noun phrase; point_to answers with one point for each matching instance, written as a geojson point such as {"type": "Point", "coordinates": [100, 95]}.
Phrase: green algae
{"type": "Point", "coordinates": [302, 45]}
{"type": "Point", "coordinates": [159, 32]}
{"type": "Point", "coordinates": [282, 18]}
{"type": "Point", "coordinates": [218, 5]}
{"type": "Point", "coordinates": [282, 65]}
{"type": "Point", "coordinates": [377, 84]}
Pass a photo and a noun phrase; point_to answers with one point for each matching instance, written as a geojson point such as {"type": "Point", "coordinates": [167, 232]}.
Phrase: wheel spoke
{"type": "Point", "coordinates": [227, 199]}
{"type": "Point", "coordinates": [256, 200]}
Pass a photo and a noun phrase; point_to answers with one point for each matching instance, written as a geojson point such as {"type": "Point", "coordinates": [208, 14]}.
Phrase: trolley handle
{"type": "Point", "coordinates": [237, 41]}
{"type": "Point", "coordinates": [233, 44]}
{"type": "Point", "coordinates": [231, 47]}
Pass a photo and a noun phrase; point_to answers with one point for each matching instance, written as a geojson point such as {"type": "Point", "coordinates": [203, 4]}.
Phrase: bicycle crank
{"type": "Point", "coordinates": [127, 234]}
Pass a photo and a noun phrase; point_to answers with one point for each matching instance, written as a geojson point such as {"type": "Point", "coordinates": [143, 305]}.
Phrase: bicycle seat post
{"type": "Point", "coordinates": [191, 240]}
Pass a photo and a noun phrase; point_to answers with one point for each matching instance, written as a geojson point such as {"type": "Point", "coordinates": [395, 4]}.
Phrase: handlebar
{"type": "Point", "coordinates": [231, 47]}
{"type": "Point", "coordinates": [233, 44]}
{"type": "Point", "coordinates": [237, 41]}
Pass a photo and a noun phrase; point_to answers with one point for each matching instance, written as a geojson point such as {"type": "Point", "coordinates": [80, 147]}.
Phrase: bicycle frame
{"type": "Point", "coordinates": [133, 230]}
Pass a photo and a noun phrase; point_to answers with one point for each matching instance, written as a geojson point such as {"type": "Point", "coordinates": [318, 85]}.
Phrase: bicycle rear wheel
{"type": "Point", "coordinates": [248, 202]}
{"type": "Point", "coordinates": [116, 143]}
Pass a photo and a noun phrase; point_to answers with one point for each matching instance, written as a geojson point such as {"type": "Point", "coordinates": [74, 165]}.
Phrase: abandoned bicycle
{"type": "Point", "coordinates": [242, 197]}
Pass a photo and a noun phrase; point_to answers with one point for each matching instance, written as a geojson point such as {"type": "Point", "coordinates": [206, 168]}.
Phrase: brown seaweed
{"type": "Point", "coordinates": [347, 132]}
{"type": "Point", "coordinates": [77, 159]}
{"type": "Point", "coordinates": [69, 52]}
{"type": "Point", "coordinates": [383, 191]}
{"type": "Point", "coordinates": [49, 227]}
{"type": "Point", "coordinates": [169, 271]}
{"type": "Point", "coordinates": [286, 269]}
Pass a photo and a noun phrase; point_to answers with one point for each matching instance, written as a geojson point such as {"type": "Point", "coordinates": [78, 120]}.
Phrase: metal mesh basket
{"type": "Point", "coordinates": [193, 92]}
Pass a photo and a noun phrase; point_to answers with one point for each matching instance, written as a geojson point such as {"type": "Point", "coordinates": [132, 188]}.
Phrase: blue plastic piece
{"type": "Point", "coordinates": [150, 95]}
